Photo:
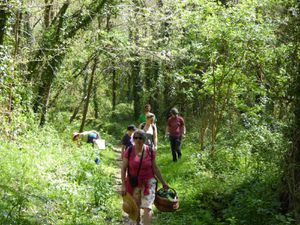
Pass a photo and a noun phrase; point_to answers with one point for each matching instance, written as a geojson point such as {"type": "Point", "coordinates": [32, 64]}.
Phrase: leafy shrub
{"type": "Point", "coordinates": [123, 112]}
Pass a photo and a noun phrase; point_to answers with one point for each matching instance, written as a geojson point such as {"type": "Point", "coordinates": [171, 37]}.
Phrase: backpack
{"type": "Point", "coordinates": [149, 141]}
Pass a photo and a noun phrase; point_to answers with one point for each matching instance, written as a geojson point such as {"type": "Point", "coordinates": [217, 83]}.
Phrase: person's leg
{"type": "Point", "coordinates": [173, 147]}
{"type": "Point", "coordinates": [97, 160]}
{"type": "Point", "coordinates": [147, 202]}
{"type": "Point", "coordinates": [147, 216]}
{"type": "Point", "coordinates": [137, 198]}
{"type": "Point", "coordinates": [178, 146]}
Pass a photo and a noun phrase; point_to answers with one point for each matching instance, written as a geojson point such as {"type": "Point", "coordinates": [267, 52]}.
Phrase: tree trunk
{"type": "Point", "coordinates": [17, 31]}
{"type": "Point", "coordinates": [129, 92]}
{"type": "Point", "coordinates": [151, 80]}
{"type": "Point", "coordinates": [114, 89]}
{"type": "Point", "coordinates": [137, 87]}
{"type": "Point", "coordinates": [291, 180]}
{"type": "Point", "coordinates": [76, 110]}
{"type": "Point", "coordinates": [48, 13]}
{"type": "Point", "coordinates": [89, 91]}
{"type": "Point", "coordinates": [96, 105]}
{"type": "Point", "coordinates": [3, 19]}
{"type": "Point", "coordinates": [59, 31]}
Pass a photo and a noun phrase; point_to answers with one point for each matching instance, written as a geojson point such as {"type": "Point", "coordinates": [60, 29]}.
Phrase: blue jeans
{"type": "Point", "coordinates": [175, 147]}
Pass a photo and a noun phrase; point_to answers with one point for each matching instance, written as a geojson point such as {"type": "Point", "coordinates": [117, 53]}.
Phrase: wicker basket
{"type": "Point", "coordinates": [166, 205]}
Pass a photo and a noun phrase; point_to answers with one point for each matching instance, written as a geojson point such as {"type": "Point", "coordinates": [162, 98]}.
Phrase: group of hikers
{"type": "Point", "coordinates": [139, 171]}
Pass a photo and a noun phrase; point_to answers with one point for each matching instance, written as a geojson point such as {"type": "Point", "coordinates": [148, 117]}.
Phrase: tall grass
{"type": "Point", "coordinates": [47, 179]}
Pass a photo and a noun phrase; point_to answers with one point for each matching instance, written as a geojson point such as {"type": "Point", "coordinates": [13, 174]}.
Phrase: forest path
{"type": "Point", "coordinates": [118, 181]}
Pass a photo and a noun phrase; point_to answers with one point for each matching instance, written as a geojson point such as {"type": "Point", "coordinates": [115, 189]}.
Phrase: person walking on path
{"type": "Point", "coordinates": [88, 137]}
{"type": "Point", "coordinates": [138, 174]}
{"type": "Point", "coordinates": [175, 130]}
{"type": "Point", "coordinates": [127, 139]}
{"type": "Point", "coordinates": [143, 116]}
{"type": "Point", "coordinates": [150, 131]}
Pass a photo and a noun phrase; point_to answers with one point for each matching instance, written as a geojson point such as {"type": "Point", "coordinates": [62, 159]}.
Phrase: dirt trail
{"type": "Point", "coordinates": [117, 187]}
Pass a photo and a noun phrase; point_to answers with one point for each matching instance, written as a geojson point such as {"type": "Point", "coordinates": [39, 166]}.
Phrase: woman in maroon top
{"type": "Point", "coordinates": [175, 129]}
{"type": "Point", "coordinates": [139, 161]}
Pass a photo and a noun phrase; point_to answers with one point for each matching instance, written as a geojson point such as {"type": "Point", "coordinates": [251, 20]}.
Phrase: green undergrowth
{"type": "Point", "coordinates": [237, 184]}
{"type": "Point", "coordinates": [48, 179]}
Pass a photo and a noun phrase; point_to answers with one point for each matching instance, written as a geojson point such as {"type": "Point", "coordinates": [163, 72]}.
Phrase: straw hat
{"type": "Point", "coordinates": [130, 207]}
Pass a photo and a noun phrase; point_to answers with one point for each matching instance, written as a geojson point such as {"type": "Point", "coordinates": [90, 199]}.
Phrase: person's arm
{"type": "Point", "coordinates": [183, 129]}
{"type": "Point", "coordinates": [167, 131]}
{"type": "Point", "coordinates": [158, 174]}
{"type": "Point", "coordinates": [123, 174]}
{"type": "Point", "coordinates": [155, 140]}
{"type": "Point", "coordinates": [84, 133]}
{"type": "Point", "coordinates": [122, 150]}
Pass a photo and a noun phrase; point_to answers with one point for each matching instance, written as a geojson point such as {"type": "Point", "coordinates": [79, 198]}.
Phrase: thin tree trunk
{"type": "Point", "coordinates": [48, 13]}
{"type": "Point", "coordinates": [114, 88]}
{"type": "Point", "coordinates": [129, 88]}
{"type": "Point", "coordinates": [76, 110]}
{"type": "Point", "coordinates": [213, 119]}
{"type": "Point", "coordinates": [137, 87]}
{"type": "Point", "coordinates": [137, 90]}
{"type": "Point", "coordinates": [96, 105]}
{"type": "Point", "coordinates": [3, 19]}
{"type": "Point", "coordinates": [17, 31]}
{"type": "Point", "coordinates": [89, 91]}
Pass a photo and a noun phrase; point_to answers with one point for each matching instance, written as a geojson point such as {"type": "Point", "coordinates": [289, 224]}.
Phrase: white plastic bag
{"type": "Point", "coordinates": [100, 144]}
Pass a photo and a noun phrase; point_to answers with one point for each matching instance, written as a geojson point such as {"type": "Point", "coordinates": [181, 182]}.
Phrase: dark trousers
{"type": "Point", "coordinates": [175, 147]}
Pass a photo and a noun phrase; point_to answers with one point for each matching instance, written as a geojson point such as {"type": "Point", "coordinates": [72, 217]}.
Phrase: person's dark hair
{"type": "Point", "coordinates": [131, 127]}
{"type": "Point", "coordinates": [147, 105]}
{"type": "Point", "coordinates": [140, 133]}
{"type": "Point", "coordinates": [75, 136]}
{"type": "Point", "coordinates": [174, 111]}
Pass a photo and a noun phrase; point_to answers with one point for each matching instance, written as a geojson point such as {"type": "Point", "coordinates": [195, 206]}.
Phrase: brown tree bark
{"type": "Point", "coordinates": [89, 91]}
{"type": "Point", "coordinates": [17, 31]}
{"type": "Point", "coordinates": [137, 91]}
{"type": "Point", "coordinates": [48, 12]}
{"type": "Point", "coordinates": [3, 20]}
